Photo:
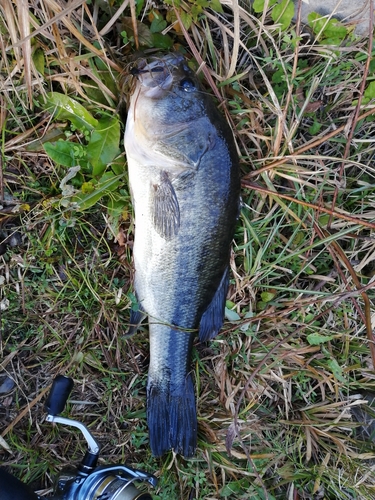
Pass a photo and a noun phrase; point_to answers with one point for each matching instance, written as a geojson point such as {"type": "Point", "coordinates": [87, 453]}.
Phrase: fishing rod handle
{"type": "Point", "coordinates": [61, 388]}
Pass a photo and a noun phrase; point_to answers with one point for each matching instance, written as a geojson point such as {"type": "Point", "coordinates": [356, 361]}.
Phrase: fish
{"type": "Point", "coordinates": [184, 179]}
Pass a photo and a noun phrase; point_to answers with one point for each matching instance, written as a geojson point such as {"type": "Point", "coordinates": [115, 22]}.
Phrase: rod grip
{"type": "Point", "coordinates": [58, 395]}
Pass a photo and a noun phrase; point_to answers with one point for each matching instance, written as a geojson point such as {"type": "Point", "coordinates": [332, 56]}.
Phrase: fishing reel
{"type": "Point", "coordinates": [87, 481]}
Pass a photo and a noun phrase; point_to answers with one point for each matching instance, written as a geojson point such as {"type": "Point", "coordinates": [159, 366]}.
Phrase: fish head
{"type": "Point", "coordinates": [172, 122]}
{"type": "Point", "coordinates": [167, 93]}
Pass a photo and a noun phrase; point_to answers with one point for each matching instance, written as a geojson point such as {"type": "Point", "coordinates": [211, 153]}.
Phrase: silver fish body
{"type": "Point", "coordinates": [184, 180]}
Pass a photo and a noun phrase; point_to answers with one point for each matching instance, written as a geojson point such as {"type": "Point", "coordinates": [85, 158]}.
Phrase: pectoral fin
{"type": "Point", "coordinates": [213, 317]}
{"type": "Point", "coordinates": [165, 210]}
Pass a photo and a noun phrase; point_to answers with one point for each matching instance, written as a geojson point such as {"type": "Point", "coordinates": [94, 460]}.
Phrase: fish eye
{"type": "Point", "coordinates": [188, 85]}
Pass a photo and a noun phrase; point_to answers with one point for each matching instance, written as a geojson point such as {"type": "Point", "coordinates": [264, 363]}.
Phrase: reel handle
{"type": "Point", "coordinates": [61, 388]}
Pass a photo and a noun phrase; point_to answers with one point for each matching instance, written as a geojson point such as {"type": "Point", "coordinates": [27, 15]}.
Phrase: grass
{"type": "Point", "coordinates": [283, 391]}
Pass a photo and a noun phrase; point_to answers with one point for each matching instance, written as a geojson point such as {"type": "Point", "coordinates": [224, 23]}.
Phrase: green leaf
{"type": "Point", "coordinates": [196, 11]}
{"type": "Point", "coordinates": [317, 338]}
{"type": "Point", "coordinates": [118, 165]}
{"type": "Point", "coordinates": [61, 152]}
{"type": "Point", "coordinates": [144, 32]}
{"type": "Point", "coordinates": [258, 5]}
{"type": "Point", "coordinates": [109, 182]}
{"type": "Point", "coordinates": [315, 127]}
{"type": "Point", "coordinates": [216, 6]}
{"type": "Point", "coordinates": [139, 4]}
{"type": "Point", "coordinates": [372, 66]}
{"type": "Point", "coordinates": [335, 29]}
{"type": "Point", "coordinates": [336, 370]}
{"type": "Point", "coordinates": [162, 41]}
{"type": "Point", "coordinates": [118, 209]}
{"type": "Point", "coordinates": [316, 21]}
{"type": "Point", "coordinates": [370, 91]}
{"type": "Point", "coordinates": [64, 107]}
{"type": "Point", "coordinates": [125, 38]}
{"type": "Point", "coordinates": [283, 13]}
{"type": "Point", "coordinates": [88, 187]}
{"type": "Point", "coordinates": [186, 19]}
{"type": "Point", "coordinates": [103, 146]}
{"type": "Point", "coordinates": [101, 65]}
{"type": "Point", "coordinates": [331, 41]}
{"type": "Point", "coordinates": [278, 76]}
{"type": "Point", "coordinates": [331, 30]}
{"type": "Point", "coordinates": [158, 24]}
{"type": "Point", "coordinates": [39, 61]}
{"type": "Point", "coordinates": [267, 296]}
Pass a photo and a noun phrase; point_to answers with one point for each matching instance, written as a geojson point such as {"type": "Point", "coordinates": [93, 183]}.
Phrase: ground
{"type": "Point", "coordinates": [283, 392]}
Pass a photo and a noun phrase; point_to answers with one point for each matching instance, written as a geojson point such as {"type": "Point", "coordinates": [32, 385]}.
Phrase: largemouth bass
{"type": "Point", "coordinates": [185, 184]}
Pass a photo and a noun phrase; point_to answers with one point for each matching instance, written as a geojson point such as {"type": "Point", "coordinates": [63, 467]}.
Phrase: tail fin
{"type": "Point", "coordinates": [172, 417]}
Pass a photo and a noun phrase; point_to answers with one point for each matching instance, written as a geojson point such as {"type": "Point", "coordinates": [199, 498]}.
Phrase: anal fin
{"type": "Point", "coordinates": [213, 317]}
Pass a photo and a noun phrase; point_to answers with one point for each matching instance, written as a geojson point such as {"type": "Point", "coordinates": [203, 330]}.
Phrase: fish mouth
{"type": "Point", "coordinates": [157, 73]}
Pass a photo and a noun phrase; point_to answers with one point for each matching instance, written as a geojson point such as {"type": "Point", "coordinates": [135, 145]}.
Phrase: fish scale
{"type": "Point", "coordinates": [184, 180]}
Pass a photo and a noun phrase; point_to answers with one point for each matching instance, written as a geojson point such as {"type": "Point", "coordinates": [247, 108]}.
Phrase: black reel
{"type": "Point", "coordinates": [86, 481]}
